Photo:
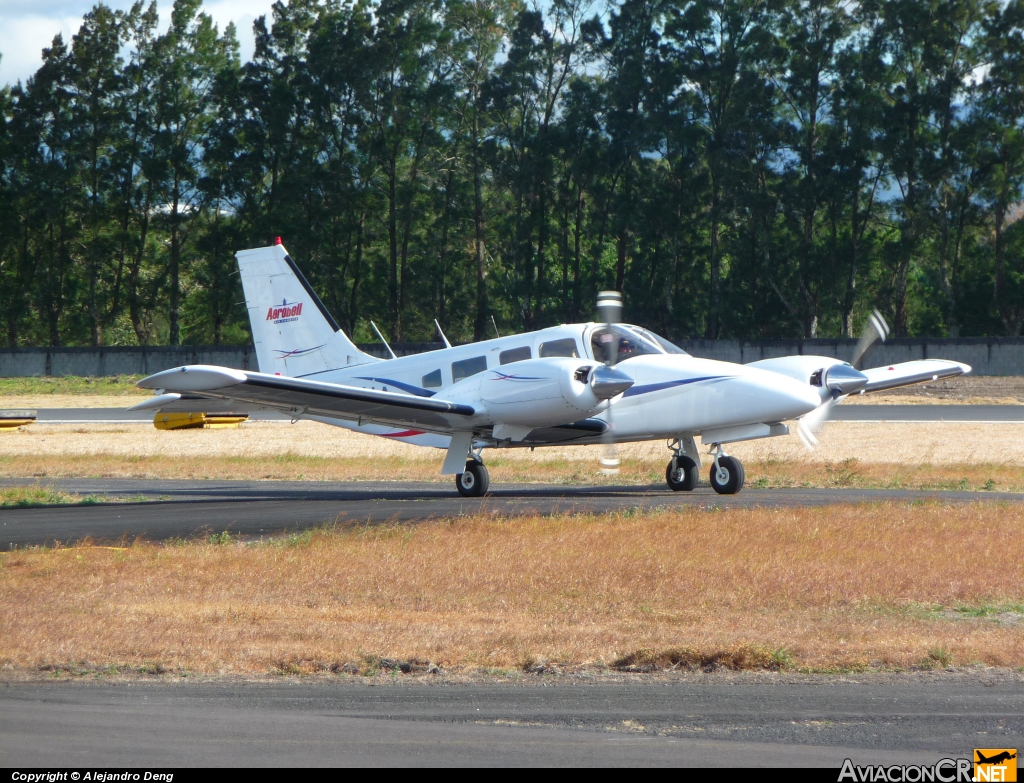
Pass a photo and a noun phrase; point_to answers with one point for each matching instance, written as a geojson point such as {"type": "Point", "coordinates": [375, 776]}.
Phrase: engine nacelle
{"type": "Point", "coordinates": [548, 392]}
{"type": "Point", "coordinates": [832, 377]}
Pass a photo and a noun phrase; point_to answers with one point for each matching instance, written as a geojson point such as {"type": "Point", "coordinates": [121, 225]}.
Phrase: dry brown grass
{"type": "Point", "coordinates": [946, 443]}
{"type": "Point", "coordinates": [850, 473]}
{"type": "Point", "coordinates": [893, 399]}
{"type": "Point", "coordinates": [920, 455]}
{"type": "Point", "coordinates": [848, 587]}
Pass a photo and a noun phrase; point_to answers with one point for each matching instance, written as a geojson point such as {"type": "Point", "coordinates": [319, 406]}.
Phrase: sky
{"type": "Point", "coordinates": [26, 26]}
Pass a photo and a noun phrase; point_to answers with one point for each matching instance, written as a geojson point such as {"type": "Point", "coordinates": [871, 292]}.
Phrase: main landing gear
{"type": "Point", "coordinates": [683, 471]}
{"type": "Point", "coordinates": [474, 481]}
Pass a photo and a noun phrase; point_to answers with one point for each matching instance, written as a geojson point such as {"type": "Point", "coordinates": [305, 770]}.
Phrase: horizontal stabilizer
{"type": "Point", "coordinates": [191, 403]}
{"type": "Point", "coordinates": [155, 403]}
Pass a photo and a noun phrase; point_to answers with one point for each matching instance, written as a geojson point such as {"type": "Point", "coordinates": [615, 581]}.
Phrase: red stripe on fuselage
{"type": "Point", "coordinates": [402, 434]}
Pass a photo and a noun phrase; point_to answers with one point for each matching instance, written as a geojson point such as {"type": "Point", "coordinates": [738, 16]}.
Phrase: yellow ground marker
{"type": "Point", "coordinates": [11, 420]}
{"type": "Point", "coordinates": [187, 421]}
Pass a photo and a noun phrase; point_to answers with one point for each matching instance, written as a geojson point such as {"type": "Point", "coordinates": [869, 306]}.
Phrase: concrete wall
{"type": "Point", "coordinates": [988, 356]}
{"type": "Point", "coordinates": [145, 360]}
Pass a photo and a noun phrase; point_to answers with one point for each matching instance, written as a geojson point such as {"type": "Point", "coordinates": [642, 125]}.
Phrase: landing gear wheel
{"type": "Point", "coordinates": [473, 483]}
{"type": "Point", "coordinates": [728, 477]}
{"type": "Point", "coordinates": [682, 474]}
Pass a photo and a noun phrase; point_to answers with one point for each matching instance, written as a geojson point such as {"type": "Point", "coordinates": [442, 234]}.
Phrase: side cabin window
{"type": "Point", "coordinates": [515, 355]}
{"type": "Point", "coordinates": [468, 367]}
{"type": "Point", "coordinates": [566, 347]}
{"type": "Point", "coordinates": [432, 380]}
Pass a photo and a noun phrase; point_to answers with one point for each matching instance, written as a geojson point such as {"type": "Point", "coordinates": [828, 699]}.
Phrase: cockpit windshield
{"type": "Point", "coordinates": [632, 342]}
{"type": "Point", "coordinates": [667, 346]}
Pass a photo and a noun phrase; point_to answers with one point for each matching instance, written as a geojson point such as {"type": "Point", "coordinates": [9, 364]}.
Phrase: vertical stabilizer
{"type": "Point", "coordinates": [294, 333]}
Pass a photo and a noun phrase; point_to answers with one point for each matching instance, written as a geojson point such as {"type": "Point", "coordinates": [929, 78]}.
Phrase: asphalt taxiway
{"type": "Point", "coordinates": [698, 720]}
{"type": "Point", "coordinates": [160, 509]}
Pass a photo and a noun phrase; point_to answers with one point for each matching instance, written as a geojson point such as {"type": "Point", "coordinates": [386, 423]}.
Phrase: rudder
{"type": "Point", "coordinates": [293, 331]}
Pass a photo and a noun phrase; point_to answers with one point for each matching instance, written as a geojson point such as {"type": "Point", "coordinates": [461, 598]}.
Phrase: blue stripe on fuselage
{"type": "Point", "coordinates": [633, 391]}
{"type": "Point", "coordinates": [406, 387]}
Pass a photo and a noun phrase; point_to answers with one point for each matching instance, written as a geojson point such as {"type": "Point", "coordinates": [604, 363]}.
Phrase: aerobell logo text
{"type": "Point", "coordinates": [284, 312]}
{"type": "Point", "coordinates": [942, 771]}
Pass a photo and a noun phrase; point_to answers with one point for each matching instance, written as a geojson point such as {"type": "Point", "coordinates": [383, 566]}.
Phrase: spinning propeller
{"type": "Point", "coordinates": [609, 310]}
{"type": "Point", "coordinates": [842, 379]}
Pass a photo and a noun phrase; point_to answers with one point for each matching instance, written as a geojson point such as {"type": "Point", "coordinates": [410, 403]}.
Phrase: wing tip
{"type": "Point", "coordinates": [193, 377]}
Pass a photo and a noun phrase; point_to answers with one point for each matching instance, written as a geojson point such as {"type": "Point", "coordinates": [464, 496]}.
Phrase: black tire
{"type": "Point", "coordinates": [682, 474]}
{"type": "Point", "coordinates": [732, 478]}
{"type": "Point", "coordinates": [474, 482]}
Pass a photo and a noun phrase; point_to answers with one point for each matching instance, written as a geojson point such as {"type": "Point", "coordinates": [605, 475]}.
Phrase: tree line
{"type": "Point", "coordinates": [738, 168]}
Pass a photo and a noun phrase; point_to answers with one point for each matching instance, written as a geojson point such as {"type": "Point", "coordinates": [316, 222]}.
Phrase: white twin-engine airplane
{"type": "Point", "coordinates": [593, 383]}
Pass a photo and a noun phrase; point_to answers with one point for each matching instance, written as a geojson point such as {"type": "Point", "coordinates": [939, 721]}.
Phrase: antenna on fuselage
{"type": "Point", "coordinates": [383, 340]}
{"type": "Point", "coordinates": [495, 325]}
{"type": "Point", "coordinates": [440, 331]}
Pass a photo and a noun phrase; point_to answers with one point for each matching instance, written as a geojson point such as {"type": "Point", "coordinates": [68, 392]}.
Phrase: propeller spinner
{"type": "Point", "coordinates": [843, 379]}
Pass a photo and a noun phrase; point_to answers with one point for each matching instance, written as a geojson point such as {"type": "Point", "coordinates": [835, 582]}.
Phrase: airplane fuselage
{"type": "Point", "coordinates": [673, 393]}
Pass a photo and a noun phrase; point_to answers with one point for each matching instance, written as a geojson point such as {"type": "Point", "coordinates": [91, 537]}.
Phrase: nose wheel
{"type": "Point", "coordinates": [727, 475]}
{"type": "Point", "coordinates": [474, 481]}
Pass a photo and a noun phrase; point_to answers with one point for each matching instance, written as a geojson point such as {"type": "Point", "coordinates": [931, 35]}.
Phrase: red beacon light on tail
{"type": "Point", "coordinates": [277, 240]}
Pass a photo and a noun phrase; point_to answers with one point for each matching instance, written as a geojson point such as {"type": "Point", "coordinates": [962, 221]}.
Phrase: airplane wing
{"type": "Point", "coordinates": [241, 390]}
{"type": "Point", "coordinates": [906, 373]}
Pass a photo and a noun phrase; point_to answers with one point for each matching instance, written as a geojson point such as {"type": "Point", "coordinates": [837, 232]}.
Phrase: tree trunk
{"type": "Point", "coordinates": [945, 277]}
{"type": "Point", "coordinates": [396, 315]}
{"type": "Point", "coordinates": [442, 254]}
{"type": "Point", "coordinates": [999, 218]}
{"type": "Point", "coordinates": [577, 229]}
{"type": "Point", "coordinates": [566, 302]}
{"type": "Point", "coordinates": [851, 276]}
{"type": "Point", "coordinates": [134, 308]}
{"type": "Point", "coordinates": [175, 269]}
{"type": "Point", "coordinates": [482, 305]}
{"type": "Point", "coordinates": [622, 250]}
{"type": "Point", "coordinates": [353, 308]}
{"type": "Point", "coordinates": [711, 330]}
{"type": "Point", "coordinates": [542, 242]}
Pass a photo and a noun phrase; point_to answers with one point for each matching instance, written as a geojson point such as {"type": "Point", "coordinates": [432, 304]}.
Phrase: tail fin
{"type": "Point", "coordinates": [294, 333]}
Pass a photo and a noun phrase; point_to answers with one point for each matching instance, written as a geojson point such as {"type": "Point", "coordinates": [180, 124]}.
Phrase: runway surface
{"type": "Point", "coordinates": [700, 720]}
{"type": "Point", "coordinates": [958, 413]}
{"type": "Point", "coordinates": [160, 509]}
{"type": "Point", "coordinates": [122, 416]}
